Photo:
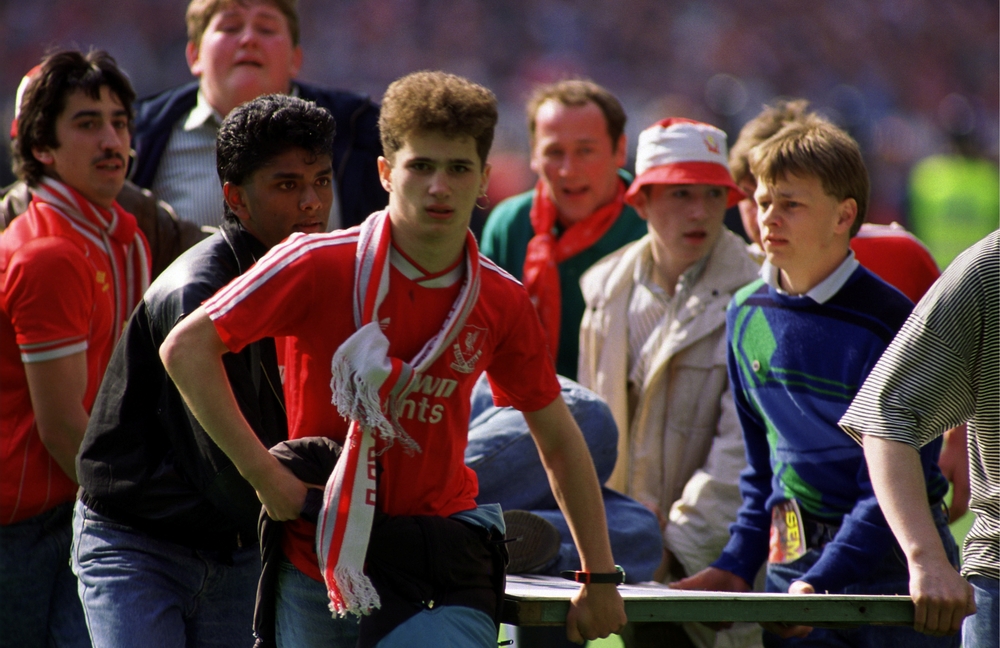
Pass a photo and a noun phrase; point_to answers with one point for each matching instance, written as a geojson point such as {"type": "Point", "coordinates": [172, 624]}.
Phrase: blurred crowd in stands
{"type": "Point", "coordinates": [905, 77]}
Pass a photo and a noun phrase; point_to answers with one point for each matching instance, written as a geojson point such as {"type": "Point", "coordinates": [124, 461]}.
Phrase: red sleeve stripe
{"type": "Point", "coordinates": [277, 259]}
{"type": "Point", "coordinates": [489, 265]}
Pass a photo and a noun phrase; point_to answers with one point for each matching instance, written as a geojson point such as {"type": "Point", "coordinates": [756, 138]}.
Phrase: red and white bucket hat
{"type": "Point", "coordinates": [683, 151]}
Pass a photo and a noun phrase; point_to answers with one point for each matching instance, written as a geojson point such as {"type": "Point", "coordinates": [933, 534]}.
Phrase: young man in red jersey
{"type": "Point", "coordinates": [394, 321]}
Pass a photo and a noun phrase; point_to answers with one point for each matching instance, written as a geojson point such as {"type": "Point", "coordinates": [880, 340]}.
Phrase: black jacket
{"type": "Point", "coordinates": [414, 561]}
{"type": "Point", "coordinates": [356, 147]}
{"type": "Point", "coordinates": [145, 460]}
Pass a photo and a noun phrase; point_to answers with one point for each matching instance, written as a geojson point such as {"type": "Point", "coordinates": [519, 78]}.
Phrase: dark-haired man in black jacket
{"type": "Point", "coordinates": [165, 531]}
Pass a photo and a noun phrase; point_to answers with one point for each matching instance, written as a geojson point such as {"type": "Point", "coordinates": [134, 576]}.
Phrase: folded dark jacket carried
{"type": "Point", "coordinates": [414, 562]}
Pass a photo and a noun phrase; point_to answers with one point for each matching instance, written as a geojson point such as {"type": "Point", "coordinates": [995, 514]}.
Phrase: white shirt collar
{"type": "Point", "coordinates": [203, 111]}
{"type": "Point", "coordinates": [824, 290]}
{"type": "Point", "coordinates": [202, 114]}
{"type": "Point", "coordinates": [415, 274]}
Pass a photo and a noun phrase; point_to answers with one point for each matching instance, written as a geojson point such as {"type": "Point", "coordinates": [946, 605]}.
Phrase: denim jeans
{"type": "Point", "coordinates": [39, 605]}
{"type": "Point", "coordinates": [302, 616]}
{"type": "Point", "coordinates": [890, 576]}
{"type": "Point", "coordinates": [503, 454]}
{"type": "Point", "coordinates": [144, 592]}
{"type": "Point", "coordinates": [980, 629]}
{"type": "Point", "coordinates": [304, 619]}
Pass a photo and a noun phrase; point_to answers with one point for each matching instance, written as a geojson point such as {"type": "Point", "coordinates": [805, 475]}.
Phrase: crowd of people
{"type": "Point", "coordinates": [272, 390]}
{"type": "Point", "coordinates": [883, 69]}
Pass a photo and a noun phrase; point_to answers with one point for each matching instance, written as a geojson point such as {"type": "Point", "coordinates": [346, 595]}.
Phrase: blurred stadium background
{"type": "Point", "coordinates": [907, 78]}
{"type": "Point", "coordinates": [903, 76]}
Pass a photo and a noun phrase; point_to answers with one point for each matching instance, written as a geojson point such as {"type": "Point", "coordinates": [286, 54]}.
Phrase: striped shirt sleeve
{"type": "Point", "coordinates": [894, 402]}
{"type": "Point", "coordinates": [49, 298]}
{"type": "Point", "coordinates": [941, 368]}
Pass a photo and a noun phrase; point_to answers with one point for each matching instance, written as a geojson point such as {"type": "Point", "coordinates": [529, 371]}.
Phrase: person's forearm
{"type": "Point", "coordinates": [574, 483]}
{"type": "Point", "coordinates": [192, 355]}
{"type": "Point", "coordinates": [62, 441]}
{"type": "Point", "coordinates": [898, 480]}
{"type": "Point", "coordinates": [747, 548]}
{"type": "Point", "coordinates": [942, 598]}
{"type": "Point", "coordinates": [57, 388]}
{"type": "Point", "coordinates": [597, 609]}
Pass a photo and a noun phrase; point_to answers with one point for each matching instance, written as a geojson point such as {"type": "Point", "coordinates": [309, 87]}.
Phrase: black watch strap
{"type": "Point", "coordinates": [616, 577]}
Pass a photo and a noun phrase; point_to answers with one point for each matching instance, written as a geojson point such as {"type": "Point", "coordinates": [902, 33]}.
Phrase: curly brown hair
{"type": "Point", "coordinates": [437, 102]}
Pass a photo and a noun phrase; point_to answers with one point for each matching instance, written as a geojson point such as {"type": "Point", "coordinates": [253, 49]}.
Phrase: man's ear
{"type": "Point", "coordinates": [621, 150]}
{"type": "Point", "coordinates": [192, 54]}
{"type": "Point", "coordinates": [640, 201]}
{"type": "Point", "coordinates": [847, 212]}
{"type": "Point", "coordinates": [236, 199]}
{"type": "Point", "coordinates": [484, 183]}
{"type": "Point", "coordinates": [535, 161]}
{"type": "Point", "coordinates": [296, 62]}
{"type": "Point", "coordinates": [43, 155]}
{"type": "Point", "coordinates": [385, 173]}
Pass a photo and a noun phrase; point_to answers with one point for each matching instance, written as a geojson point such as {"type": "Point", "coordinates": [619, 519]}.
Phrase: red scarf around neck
{"type": "Point", "coordinates": [112, 229]}
{"type": "Point", "coordinates": [545, 252]}
{"type": "Point", "coordinates": [369, 388]}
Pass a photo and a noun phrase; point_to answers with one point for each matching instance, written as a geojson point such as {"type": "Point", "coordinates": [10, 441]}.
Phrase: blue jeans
{"type": "Point", "coordinates": [39, 605]}
{"type": "Point", "coordinates": [304, 620]}
{"type": "Point", "coordinates": [890, 576]}
{"type": "Point", "coordinates": [144, 592]}
{"type": "Point", "coordinates": [980, 629]}
{"type": "Point", "coordinates": [503, 454]}
{"type": "Point", "coordinates": [302, 614]}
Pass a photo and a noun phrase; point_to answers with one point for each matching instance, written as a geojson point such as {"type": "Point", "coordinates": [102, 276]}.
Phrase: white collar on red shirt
{"type": "Point", "coordinates": [409, 269]}
{"type": "Point", "coordinates": [101, 226]}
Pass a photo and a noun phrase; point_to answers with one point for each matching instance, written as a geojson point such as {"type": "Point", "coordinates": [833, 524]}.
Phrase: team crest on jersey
{"type": "Point", "coordinates": [468, 348]}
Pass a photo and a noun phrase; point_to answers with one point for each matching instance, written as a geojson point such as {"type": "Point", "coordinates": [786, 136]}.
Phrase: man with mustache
{"type": "Point", "coordinates": [239, 50]}
{"type": "Point", "coordinates": [166, 529]}
{"type": "Point", "coordinates": [166, 234]}
{"type": "Point", "coordinates": [72, 267]}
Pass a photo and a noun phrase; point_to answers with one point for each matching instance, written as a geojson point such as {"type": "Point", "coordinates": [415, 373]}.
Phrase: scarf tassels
{"type": "Point", "coordinates": [369, 387]}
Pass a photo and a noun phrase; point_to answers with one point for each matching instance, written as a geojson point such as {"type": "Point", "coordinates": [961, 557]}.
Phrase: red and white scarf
{"type": "Point", "coordinates": [102, 226]}
{"type": "Point", "coordinates": [545, 252]}
{"type": "Point", "coordinates": [368, 388]}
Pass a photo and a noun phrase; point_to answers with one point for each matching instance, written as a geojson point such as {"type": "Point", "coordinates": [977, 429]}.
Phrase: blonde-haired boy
{"type": "Point", "coordinates": [802, 339]}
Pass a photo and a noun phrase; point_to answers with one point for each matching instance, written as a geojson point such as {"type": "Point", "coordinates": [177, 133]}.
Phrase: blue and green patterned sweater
{"type": "Point", "coordinates": [795, 365]}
